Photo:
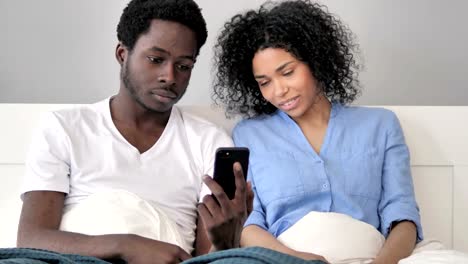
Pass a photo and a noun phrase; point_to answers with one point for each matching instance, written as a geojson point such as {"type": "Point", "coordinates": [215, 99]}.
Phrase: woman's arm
{"type": "Point", "coordinates": [254, 236]}
{"type": "Point", "coordinates": [399, 213]}
{"type": "Point", "coordinates": [399, 244]}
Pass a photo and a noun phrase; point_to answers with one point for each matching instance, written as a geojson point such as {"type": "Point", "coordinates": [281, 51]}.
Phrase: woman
{"type": "Point", "coordinates": [289, 67]}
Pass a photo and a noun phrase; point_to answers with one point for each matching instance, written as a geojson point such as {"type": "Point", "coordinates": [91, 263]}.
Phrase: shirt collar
{"type": "Point", "coordinates": [335, 109]}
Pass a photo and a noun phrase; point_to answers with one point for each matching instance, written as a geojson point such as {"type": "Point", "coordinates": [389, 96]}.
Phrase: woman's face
{"type": "Point", "coordinates": [284, 81]}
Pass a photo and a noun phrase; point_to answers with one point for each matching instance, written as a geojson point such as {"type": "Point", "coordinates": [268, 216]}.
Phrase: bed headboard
{"type": "Point", "coordinates": [437, 137]}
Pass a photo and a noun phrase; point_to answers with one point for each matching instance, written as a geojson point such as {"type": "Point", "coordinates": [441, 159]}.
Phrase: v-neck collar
{"type": "Point", "coordinates": [113, 128]}
{"type": "Point", "coordinates": [335, 107]}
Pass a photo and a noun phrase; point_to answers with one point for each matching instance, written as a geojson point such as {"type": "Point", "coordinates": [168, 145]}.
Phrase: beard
{"type": "Point", "coordinates": [132, 87]}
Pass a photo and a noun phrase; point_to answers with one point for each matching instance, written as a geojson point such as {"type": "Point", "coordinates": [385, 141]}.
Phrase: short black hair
{"type": "Point", "coordinates": [305, 29]}
{"type": "Point", "coordinates": [137, 16]}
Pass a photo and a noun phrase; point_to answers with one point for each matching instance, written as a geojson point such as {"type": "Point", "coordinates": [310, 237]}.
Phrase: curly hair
{"type": "Point", "coordinates": [136, 19]}
{"type": "Point", "coordinates": [305, 29]}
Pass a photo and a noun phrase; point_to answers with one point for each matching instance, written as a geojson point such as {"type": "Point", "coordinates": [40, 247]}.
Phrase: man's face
{"type": "Point", "coordinates": [157, 71]}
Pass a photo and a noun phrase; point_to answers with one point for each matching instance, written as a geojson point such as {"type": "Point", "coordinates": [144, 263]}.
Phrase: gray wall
{"type": "Point", "coordinates": [62, 51]}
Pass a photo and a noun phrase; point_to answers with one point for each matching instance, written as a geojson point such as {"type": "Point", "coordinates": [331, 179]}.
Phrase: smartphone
{"type": "Point", "coordinates": [223, 167]}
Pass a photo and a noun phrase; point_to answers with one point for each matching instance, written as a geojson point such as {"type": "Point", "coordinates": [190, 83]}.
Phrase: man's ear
{"type": "Point", "coordinates": [121, 53]}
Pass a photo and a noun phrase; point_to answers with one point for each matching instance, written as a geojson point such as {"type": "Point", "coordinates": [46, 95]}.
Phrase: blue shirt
{"type": "Point", "coordinates": [362, 169]}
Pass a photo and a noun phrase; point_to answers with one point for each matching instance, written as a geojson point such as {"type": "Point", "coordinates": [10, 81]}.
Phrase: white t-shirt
{"type": "Point", "coordinates": [80, 152]}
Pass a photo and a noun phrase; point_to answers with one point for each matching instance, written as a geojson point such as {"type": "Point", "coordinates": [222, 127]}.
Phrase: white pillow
{"type": "Point", "coordinates": [337, 237]}
{"type": "Point", "coordinates": [120, 212]}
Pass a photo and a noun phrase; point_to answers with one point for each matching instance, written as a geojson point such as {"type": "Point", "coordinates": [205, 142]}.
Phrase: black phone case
{"type": "Point", "coordinates": [223, 167]}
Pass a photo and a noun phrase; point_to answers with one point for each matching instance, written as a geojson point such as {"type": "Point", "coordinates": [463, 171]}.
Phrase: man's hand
{"type": "Point", "coordinates": [225, 218]}
{"type": "Point", "coordinates": [136, 250]}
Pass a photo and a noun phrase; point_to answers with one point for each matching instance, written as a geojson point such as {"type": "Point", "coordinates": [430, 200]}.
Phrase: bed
{"type": "Point", "coordinates": [437, 137]}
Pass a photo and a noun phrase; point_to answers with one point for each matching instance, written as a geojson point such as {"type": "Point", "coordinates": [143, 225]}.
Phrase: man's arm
{"type": "Point", "coordinates": [399, 244]}
{"type": "Point", "coordinates": [202, 242]}
{"type": "Point", "coordinates": [39, 224]}
{"type": "Point", "coordinates": [39, 228]}
{"type": "Point", "coordinates": [254, 236]}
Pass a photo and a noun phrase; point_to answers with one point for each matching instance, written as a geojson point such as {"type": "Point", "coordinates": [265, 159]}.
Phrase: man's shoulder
{"type": "Point", "coordinates": [74, 117]}
{"type": "Point", "coordinates": [79, 113]}
{"type": "Point", "coordinates": [202, 136]}
{"type": "Point", "coordinates": [198, 124]}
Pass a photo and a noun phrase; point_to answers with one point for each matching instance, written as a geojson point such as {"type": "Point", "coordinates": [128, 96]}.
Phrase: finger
{"type": "Point", "coordinates": [212, 205]}
{"type": "Point", "coordinates": [240, 182]}
{"type": "Point", "coordinates": [205, 214]}
{"type": "Point", "coordinates": [218, 192]}
{"type": "Point", "coordinates": [202, 204]}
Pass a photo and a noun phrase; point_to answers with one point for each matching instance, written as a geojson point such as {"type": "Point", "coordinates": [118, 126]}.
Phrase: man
{"type": "Point", "coordinates": [138, 141]}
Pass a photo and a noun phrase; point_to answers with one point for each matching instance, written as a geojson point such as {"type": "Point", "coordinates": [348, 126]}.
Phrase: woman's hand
{"type": "Point", "coordinates": [400, 243]}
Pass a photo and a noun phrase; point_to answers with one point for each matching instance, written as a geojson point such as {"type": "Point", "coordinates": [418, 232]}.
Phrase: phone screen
{"type": "Point", "coordinates": [223, 167]}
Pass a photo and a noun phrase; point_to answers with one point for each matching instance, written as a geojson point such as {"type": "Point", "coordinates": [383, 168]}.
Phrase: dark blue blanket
{"type": "Point", "coordinates": [37, 256]}
{"type": "Point", "coordinates": [252, 255]}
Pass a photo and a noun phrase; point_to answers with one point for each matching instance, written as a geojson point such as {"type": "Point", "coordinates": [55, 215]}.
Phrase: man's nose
{"type": "Point", "coordinates": [167, 73]}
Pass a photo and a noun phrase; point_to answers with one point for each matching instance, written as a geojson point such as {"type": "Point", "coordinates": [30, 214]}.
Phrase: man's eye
{"type": "Point", "coordinates": [184, 67]}
{"type": "Point", "coordinates": [155, 60]}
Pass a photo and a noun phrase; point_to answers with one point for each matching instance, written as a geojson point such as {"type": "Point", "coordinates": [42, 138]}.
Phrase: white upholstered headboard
{"type": "Point", "coordinates": [437, 137]}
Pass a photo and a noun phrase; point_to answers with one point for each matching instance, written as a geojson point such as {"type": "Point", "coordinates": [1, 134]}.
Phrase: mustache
{"type": "Point", "coordinates": [166, 91]}
{"type": "Point", "coordinates": [166, 87]}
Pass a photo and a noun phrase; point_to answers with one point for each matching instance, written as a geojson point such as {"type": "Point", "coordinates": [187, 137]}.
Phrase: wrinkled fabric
{"type": "Point", "coordinates": [38, 256]}
{"type": "Point", "coordinates": [252, 255]}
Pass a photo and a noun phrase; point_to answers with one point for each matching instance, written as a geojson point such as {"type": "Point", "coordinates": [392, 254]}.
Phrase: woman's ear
{"type": "Point", "coordinates": [121, 53]}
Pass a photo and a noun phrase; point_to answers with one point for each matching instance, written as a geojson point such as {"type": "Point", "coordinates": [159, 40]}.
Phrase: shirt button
{"type": "Point", "coordinates": [325, 186]}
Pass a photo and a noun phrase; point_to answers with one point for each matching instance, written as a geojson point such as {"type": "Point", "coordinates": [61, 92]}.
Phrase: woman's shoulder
{"type": "Point", "coordinates": [258, 122]}
{"type": "Point", "coordinates": [257, 129]}
{"type": "Point", "coordinates": [369, 116]}
{"type": "Point", "coordinates": [367, 113]}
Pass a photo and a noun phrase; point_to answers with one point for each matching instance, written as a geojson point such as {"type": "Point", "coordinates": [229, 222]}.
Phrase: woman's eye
{"type": "Point", "coordinates": [287, 73]}
{"type": "Point", "coordinates": [263, 84]}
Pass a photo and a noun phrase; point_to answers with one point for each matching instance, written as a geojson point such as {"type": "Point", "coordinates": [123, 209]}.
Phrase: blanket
{"type": "Point", "coordinates": [37, 256]}
{"type": "Point", "coordinates": [252, 255]}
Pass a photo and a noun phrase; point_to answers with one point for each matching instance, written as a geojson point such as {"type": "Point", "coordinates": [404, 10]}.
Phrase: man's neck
{"type": "Point", "coordinates": [125, 109]}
